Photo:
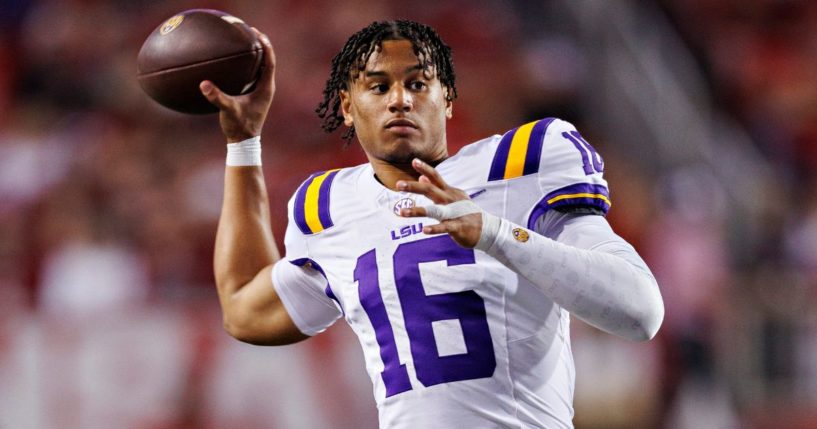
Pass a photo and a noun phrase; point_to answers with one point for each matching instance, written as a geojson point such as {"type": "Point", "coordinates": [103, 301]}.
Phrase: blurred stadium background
{"type": "Point", "coordinates": [705, 111]}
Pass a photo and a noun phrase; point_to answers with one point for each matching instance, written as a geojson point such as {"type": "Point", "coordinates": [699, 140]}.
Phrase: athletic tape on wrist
{"type": "Point", "coordinates": [244, 153]}
{"type": "Point", "coordinates": [490, 230]}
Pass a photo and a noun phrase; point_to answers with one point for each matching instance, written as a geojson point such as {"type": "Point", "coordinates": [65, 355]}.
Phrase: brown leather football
{"type": "Point", "coordinates": [197, 45]}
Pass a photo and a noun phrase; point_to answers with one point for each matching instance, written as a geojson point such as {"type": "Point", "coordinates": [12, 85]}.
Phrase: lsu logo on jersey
{"type": "Point", "coordinates": [406, 231]}
{"type": "Point", "coordinates": [519, 152]}
{"type": "Point", "coordinates": [312, 203]}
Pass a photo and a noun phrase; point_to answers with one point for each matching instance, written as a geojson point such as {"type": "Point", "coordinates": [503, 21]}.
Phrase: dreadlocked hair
{"type": "Point", "coordinates": [431, 51]}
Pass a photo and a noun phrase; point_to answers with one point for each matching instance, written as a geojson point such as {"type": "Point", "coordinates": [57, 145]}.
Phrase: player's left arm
{"type": "Point", "coordinates": [582, 265]}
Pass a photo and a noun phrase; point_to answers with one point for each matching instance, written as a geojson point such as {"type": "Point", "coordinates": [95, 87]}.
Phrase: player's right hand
{"type": "Point", "coordinates": [463, 222]}
{"type": "Point", "coordinates": [242, 116]}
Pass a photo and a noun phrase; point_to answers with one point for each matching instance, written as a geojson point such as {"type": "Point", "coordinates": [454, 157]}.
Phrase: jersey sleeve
{"type": "Point", "coordinates": [570, 173]}
{"type": "Point", "coordinates": [301, 283]}
{"type": "Point", "coordinates": [299, 287]}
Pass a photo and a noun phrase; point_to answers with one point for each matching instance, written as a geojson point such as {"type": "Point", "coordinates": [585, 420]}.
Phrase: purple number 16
{"type": "Point", "coordinates": [420, 311]}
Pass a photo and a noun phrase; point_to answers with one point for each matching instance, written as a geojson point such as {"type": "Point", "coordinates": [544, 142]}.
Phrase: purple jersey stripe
{"type": "Point", "coordinates": [579, 188]}
{"type": "Point", "coordinates": [328, 291]}
{"type": "Point", "coordinates": [501, 157]}
{"type": "Point", "coordinates": [534, 154]}
{"type": "Point", "coordinates": [576, 195]}
{"type": "Point", "coordinates": [323, 201]}
{"type": "Point", "coordinates": [582, 201]}
{"type": "Point", "coordinates": [300, 203]}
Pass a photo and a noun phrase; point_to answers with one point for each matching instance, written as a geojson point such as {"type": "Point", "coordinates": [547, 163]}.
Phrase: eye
{"type": "Point", "coordinates": [379, 88]}
{"type": "Point", "coordinates": [417, 85]}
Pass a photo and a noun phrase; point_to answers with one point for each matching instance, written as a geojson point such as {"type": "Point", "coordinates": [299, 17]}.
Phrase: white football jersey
{"type": "Point", "coordinates": [451, 337]}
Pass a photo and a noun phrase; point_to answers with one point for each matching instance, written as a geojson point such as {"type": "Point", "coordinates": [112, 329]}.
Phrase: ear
{"type": "Point", "coordinates": [346, 108]}
{"type": "Point", "coordinates": [449, 106]}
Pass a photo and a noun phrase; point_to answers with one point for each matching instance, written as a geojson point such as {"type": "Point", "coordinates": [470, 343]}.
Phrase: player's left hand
{"type": "Point", "coordinates": [465, 229]}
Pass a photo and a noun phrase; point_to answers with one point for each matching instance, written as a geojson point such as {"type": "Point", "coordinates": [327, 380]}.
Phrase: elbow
{"type": "Point", "coordinates": [647, 327]}
{"type": "Point", "coordinates": [241, 328]}
{"type": "Point", "coordinates": [646, 324]}
{"type": "Point", "coordinates": [248, 330]}
{"type": "Point", "coordinates": [236, 328]}
{"type": "Point", "coordinates": [242, 332]}
{"type": "Point", "coordinates": [238, 320]}
{"type": "Point", "coordinates": [234, 321]}
{"type": "Point", "coordinates": [649, 316]}
{"type": "Point", "coordinates": [643, 313]}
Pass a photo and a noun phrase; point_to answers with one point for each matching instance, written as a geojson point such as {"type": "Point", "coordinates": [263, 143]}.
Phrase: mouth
{"type": "Point", "coordinates": [401, 125]}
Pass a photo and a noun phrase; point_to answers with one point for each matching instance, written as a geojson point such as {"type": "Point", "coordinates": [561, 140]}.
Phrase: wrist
{"type": "Point", "coordinates": [244, 153]}
{"type": "Point", "coordinates": [238, 137]}
{"type": "Point", "coordinates": [490, 231]}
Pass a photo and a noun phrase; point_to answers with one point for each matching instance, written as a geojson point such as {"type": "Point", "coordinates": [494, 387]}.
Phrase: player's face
{"type": "Point", "coordinates": [398, 109]}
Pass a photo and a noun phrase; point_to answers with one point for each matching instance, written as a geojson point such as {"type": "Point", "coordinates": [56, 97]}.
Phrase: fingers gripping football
{"type": "Point", "coordinates": [243, 116]}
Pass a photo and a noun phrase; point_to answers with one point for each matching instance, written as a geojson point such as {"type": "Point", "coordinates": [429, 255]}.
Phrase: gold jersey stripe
{"type": "Point", "coordinates": [515, 166]}
{"type": "Point", "coordinates": [566, 196]}
{"type": "Point", "coordinates": [311, 203]}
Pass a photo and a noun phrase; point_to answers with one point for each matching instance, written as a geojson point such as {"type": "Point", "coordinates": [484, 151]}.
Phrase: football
{"type": "Point", "coordinates": [197, 45]}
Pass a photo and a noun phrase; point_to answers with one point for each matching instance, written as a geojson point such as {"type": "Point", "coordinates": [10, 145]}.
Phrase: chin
{"type": "Point", "coordinates": [404, 151]}
{"type": "Point", "coordinates": [402, 157]}
{"type": "Point", "coordinates": [400, 150]}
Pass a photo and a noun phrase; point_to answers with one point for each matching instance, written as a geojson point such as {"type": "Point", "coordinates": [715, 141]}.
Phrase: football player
{"type": "Point", "coordinates": [458, 273]}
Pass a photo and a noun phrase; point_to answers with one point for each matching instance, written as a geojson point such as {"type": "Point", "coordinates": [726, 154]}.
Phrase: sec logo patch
{"type": "Point", "coordinates": [405, 203]}
{"type": "Point", "coordinates": [520, 235]}
{"type": "Point", "coordinates": [171, 24]}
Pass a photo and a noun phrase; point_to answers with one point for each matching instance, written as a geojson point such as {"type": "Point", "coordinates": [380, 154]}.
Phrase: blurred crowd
{"type": "Point", "coordinates": [109, 205]}
{"type": "Point", "coordinates": [760, 58]}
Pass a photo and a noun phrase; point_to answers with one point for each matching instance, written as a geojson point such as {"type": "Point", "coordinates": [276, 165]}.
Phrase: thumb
{"type": "Point", "coordinates": [214, 95]}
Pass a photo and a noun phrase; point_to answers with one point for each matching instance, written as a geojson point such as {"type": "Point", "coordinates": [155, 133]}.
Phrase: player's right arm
{"type": "Point", "coordinates": [245, 250]}
{"type": "Point", "coordinates": [245, 253]}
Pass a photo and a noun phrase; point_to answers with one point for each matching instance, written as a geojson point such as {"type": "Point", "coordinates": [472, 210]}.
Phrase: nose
{"type": "Point", "coordinates": [400, 100]}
